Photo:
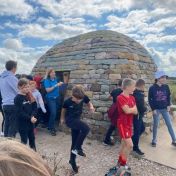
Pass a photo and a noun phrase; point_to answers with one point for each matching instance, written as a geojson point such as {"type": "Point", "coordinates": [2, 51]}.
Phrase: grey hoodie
{"type": "Point", "coordinates": [8, 87]}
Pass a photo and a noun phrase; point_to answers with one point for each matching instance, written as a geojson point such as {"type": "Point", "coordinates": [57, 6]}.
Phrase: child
{"type": "Point", "coordinates": [114, 94]}
{"type": "Point", "coordinates": [126, 109]}
{"type": "Point", "coordinates": [18, 160]}
{"type": "Point", "coordinates": [71, 113]}
{"type": "Point", "coordinates": [26, 112]}
{"type": "Point", "coordinates": [138, 123]}
{"type": "Point", "coordinates": [159, 100]}
{"type": "Point", "coordinates": [39, 100]}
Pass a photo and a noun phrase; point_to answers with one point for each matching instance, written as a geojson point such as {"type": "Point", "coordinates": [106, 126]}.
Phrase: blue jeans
{"type": "Point", "coordinates": [53, 105]}
{"type": "Point", "coordinates": [168, 121]}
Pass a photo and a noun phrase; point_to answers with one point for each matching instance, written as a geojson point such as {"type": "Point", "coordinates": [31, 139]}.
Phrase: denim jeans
{"type": "Point", "coordinates": [53, 105]}
{"type": "Point", "coordinates": [168, 121]}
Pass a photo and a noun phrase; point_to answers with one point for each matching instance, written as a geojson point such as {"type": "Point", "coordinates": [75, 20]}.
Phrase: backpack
{"type": "Point", "coordinates": [113, 113]}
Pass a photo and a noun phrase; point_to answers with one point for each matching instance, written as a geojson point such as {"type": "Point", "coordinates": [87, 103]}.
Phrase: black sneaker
{"type": "Point", "coordinates": [74, 166]}
{"type": "Point", "coordinates": [153, 144]}
{"type": "Point", "coordinates": [81, 153]}
{"type": "Point", "coordinates": [106, 143]}
{"type": "Point", "coordinates": [139, 152]}
{"type": "Point", "coordinates": [53, 132]}
{"type": "Point", "coordinates": [174, 143]}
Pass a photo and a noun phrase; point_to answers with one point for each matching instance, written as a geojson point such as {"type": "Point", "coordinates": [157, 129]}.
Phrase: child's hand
{"type": "Point", "coordinates": [92, 109]}
{"type": "Point", "coordinates": [60, 83]}
{"type": "Point", "coordinates": [33, 120]}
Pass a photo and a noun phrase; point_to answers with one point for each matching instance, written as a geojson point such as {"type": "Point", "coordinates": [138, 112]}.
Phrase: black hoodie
{"type": "Point", "coordinates": [115, 93]}
{"type": "Point", "coordinates": [159, 96]}
{"type": "Point", "coordinates": [140, 103]}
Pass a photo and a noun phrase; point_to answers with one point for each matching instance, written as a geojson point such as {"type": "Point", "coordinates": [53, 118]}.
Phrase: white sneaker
{"type": "Point", "coordinates": [75, 152]}
{"type": "Point", "coordinates": [2, 134]}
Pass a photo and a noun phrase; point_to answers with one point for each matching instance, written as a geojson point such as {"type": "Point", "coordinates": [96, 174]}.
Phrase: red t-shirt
{"type": "Point", "coordinates": [125, 119]}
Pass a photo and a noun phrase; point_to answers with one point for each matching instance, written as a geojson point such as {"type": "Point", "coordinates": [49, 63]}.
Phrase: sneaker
{"type": "Point", "coordinates": [2, 134]}
{"type": "Point", "coordinates": [139, 152]}
{"type": "Point", "coordinates": [74, 166]}
{"type": "Point", "coordinates": [75, 152]}
{"type": "Point", "coordinates": [53, 133]}
{"type": "Point", "coordinates": [127, 167]}
{"type": "Point", "coordinates": [108, 143]}
{"type": "Point", "coordinates": [174, 143]}
{"type": "Point", "coordinates": [81, 153]}
{"type": "Point", "coordinates": [153, 144]}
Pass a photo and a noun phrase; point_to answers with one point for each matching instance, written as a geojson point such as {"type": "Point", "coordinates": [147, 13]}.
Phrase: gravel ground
{"type": "Point", "coordinates": [99, 158]}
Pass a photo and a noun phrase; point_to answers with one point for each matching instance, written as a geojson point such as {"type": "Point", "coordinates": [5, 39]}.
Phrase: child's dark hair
{"type": "Point", "coordinates": [140, 82]}
{"type": "Point", "coordinates": [119, 84]}
{"type": "Point", "coordinates": [23, 82]}
{"type": "Point", "coordinates": [78, 92]}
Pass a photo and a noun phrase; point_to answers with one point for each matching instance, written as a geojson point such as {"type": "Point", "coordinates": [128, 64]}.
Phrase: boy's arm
{"type": "Point", "coordinates": [91, 107]}
{"type": "Point", "coordinates": [62, 120]}
{"type": "Point", "coordinates": [129, 110]}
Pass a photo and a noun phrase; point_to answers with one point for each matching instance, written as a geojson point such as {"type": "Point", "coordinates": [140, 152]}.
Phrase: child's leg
{"type": "Point", "coordinates": [31, 137]}
{"type": "Point", "coordinates": [72, 161]}
{"type": "Point", "coordinates": [136, 133]}
{"type": "Point", "coordinates": [126, 147]}
{"type": "Point", "coordinates": [84, 130]}
{"type": "Point", "coordinates": [24, 136]}
{"type": "Point", "coordinates": [75, 134]}
{"type": "Point", "coordinates": [109, 133]}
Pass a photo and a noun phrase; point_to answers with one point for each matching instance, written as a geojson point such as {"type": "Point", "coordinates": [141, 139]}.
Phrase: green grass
{"type": "Point", "coordinates": [173, 92]}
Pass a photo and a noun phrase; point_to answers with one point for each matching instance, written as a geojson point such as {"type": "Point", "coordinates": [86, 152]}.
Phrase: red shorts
{"type": "Point", "coordinates": [124, 131]}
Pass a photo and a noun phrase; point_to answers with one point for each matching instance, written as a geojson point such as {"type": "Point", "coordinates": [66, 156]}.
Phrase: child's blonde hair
{"type": "Point", "coordinates": [127, 82]}
{"type": "Point", "coordinates": [78, 92]}
{"type": "Point", "coordinates": [16, 159]}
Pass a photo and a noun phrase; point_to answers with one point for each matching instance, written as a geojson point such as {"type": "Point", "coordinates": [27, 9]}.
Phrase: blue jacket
{"type": "Point", "coordinates": [8, 87]}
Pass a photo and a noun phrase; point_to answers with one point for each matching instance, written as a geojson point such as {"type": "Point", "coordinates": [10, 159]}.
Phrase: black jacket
{"type": "Point", "coordinates": [140, 103]}
{"type": "Point", "coordinates": [24, 111]}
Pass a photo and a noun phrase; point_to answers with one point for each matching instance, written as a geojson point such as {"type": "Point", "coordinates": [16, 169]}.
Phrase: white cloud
{"type": "Point", "coordinates": [166, 60]}
{"type": "Point", "coordinates": [79, 8]}
{"type": "Point", "coordinates": [12, 43]}
{"type": "Point", "coordinates": [55, 30]}
{"type": "Point", "coordinates": [17, 8]}
{"type": "Point", "coordinates": [26, 57]}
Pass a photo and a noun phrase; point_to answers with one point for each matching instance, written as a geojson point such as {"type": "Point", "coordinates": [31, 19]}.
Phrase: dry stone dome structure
{"type": "Point", "coordinates": [97, 60]}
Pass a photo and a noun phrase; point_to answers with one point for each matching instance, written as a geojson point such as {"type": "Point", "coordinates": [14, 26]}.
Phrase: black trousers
{"type": "Point", "coordinates": [79, 131]}
{"type": "Point", "coordinates": [139, 128]}
{"type": "Point", "coordinates": [28, 134]}
{"type": "Point", "coordinates": [109, 133]}
{"type": "Point", "coordinates": [10, 121]}
{"type": "Point", "coordinates": [2, 125]}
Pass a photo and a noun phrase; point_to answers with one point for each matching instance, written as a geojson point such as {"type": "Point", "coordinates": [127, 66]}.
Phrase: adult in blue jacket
{"type": "Point", "coordinates": [53, 98]}
{"type": "Point", "coordinates": [8, 88]}
{"type": "Point", "coordinates": [159, 100]}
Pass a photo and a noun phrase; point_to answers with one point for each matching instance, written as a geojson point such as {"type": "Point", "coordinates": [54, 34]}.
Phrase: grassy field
{"type": "Point", "coordinates": [172, 85]}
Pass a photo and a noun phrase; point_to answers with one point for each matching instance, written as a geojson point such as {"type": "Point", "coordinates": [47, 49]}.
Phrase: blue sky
{"type": "Point", "coordinates": [29, 28]}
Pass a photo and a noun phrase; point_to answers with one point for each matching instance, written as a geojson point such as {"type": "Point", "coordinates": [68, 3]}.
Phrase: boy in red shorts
{"type": "Point", "coordinates": [126, 110]}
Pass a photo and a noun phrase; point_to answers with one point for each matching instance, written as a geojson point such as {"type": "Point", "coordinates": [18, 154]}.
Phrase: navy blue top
{"type": "Point", "coordinates": [159, 96]}
{"type": "Point", "coordinates": [48, 83]}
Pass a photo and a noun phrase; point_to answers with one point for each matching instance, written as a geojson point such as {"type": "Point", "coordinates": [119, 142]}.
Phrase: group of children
{"type": "Point", "coordinates": [130, 104]}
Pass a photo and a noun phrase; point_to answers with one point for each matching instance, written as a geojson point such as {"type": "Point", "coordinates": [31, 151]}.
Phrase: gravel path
{"type": "Point", "coordinates": [99, 158]}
